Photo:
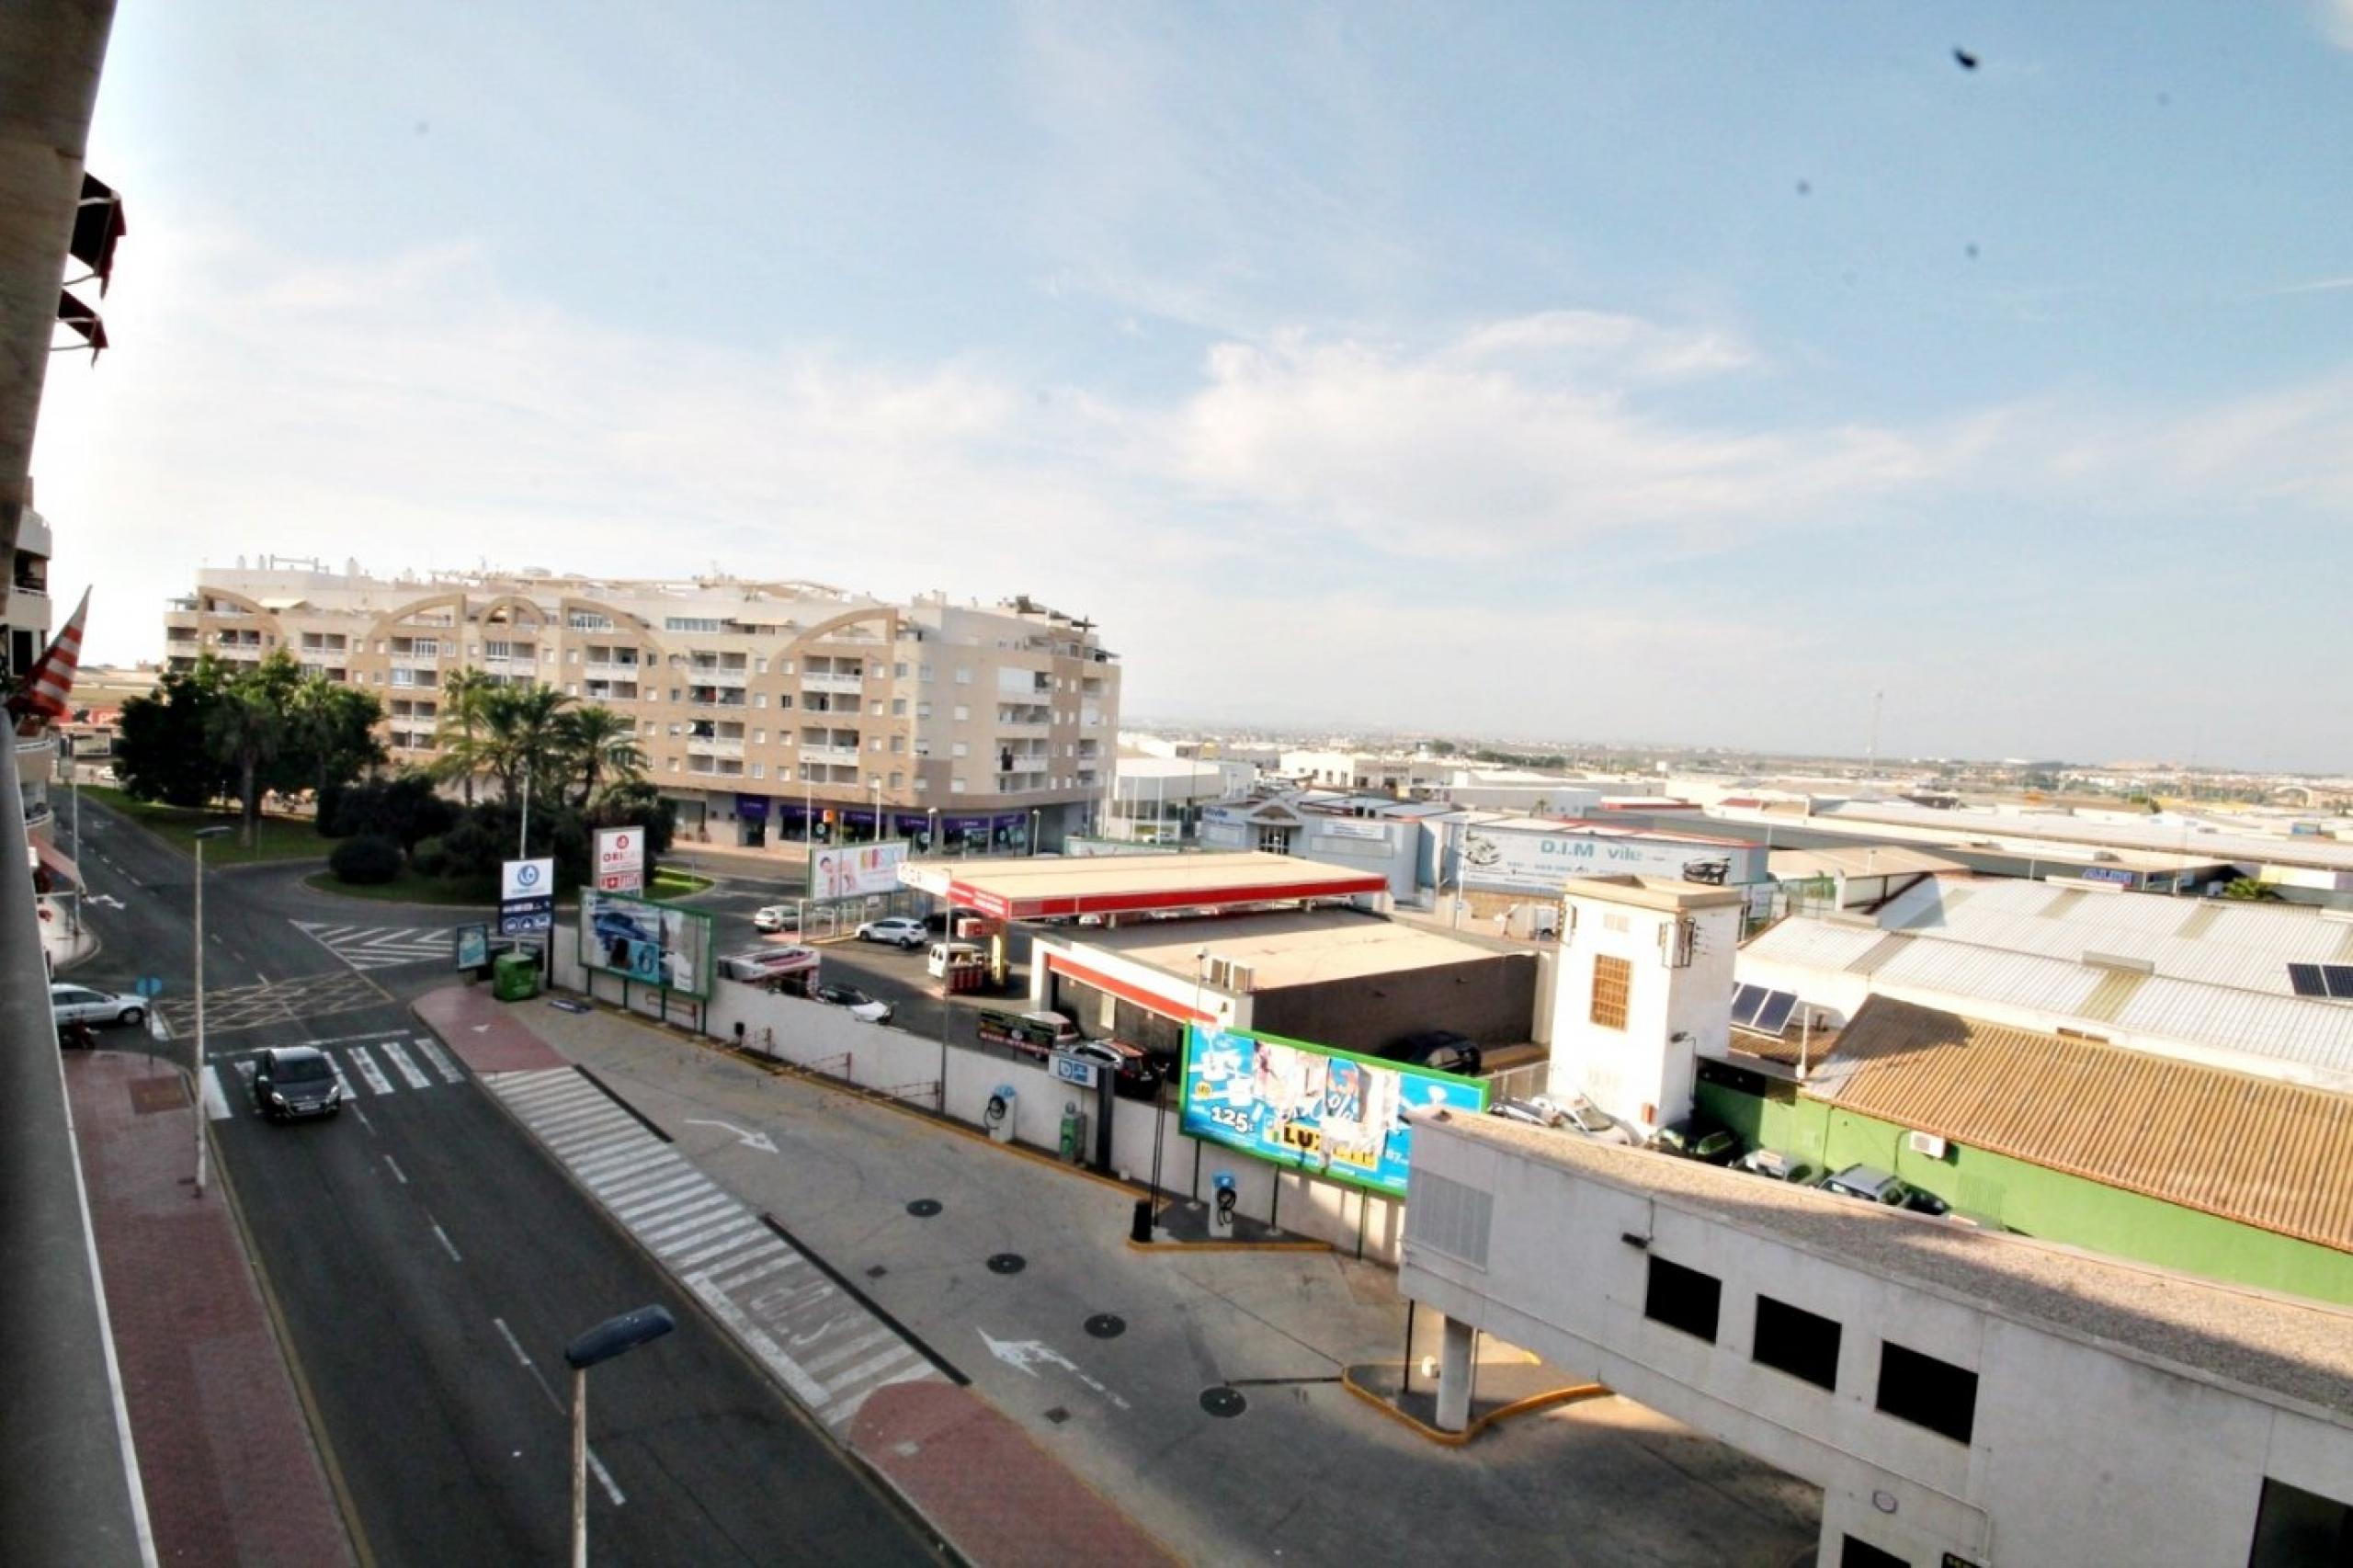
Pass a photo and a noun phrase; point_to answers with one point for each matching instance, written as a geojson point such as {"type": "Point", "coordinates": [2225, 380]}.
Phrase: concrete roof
{"type": "Point", "coordinates": [1034, 887]}
{"type": "Point", "coordinates": [1290, 948]}
{"type": "Point", "coordinates": [1590, 827]}
{"type": "Point", "coordinates": [2164, 837]}
{"type": "Point", "coordinates": [2284, 1348]}
{"type": "Point", "coordinates": [1652, 892]}
{"type": "Point", "coordinates": [1879, 861]}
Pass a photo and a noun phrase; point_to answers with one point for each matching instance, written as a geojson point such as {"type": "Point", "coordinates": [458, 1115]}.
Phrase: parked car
{"type": "Point", "coordinates": [1872, 1185]}
{"type": "Point", "coordinates": [295, 1080]}
{"type": "Point", "coordinates": [1442, 1050]}
{"type": "Point", "coordinates": [80, 1004]}
{"type": "Point", "coordinates": [1037, 1033]}
{"type": "Point", "coordinates": [777, 917]}
{"type": "Point", "coordinates": [763, 965]}
{"type": "Point", "coordinates": [1536, 1110]}
{"type": "Point", "coordinates": [1132, 1073]}
{"type": "Point", "coordinates": [1696, 1138]}
{"type": "Point", "coordinates": [1596, 1123]}
{"type": "Point", "coordinates": [864, 1008]}
{"type": "Point", "coordinates": [899, 930]}
{"type": "Point", "coordinates": [1774, 1167]}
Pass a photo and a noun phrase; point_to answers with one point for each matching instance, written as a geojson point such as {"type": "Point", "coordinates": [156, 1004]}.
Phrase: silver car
{"type": "Point", "coordinates": [80, 1004]}
{"type": "Point", "coordinates": [898, 929]}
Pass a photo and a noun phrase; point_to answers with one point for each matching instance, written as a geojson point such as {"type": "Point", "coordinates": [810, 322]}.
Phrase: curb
{"type": "Point", "coordinates": [1305, 1243]}
{"type": "Point", "coordinates": [1534, 1402]}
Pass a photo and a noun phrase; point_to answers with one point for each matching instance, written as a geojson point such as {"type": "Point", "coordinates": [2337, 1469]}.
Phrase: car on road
{"type": "Point", "coordinates": [1872, 1185]}
{"type": "Point", "coordinates": [899, 930]}
{"type": "Point", "coordinates": [1697, 1138]}
{"type": "Point", "coordinates": [80, 1004]}
{"type": "Point", "coordinates": [295, 1080]}
{"type": "Point", "coordinates": [777, 917]}
{"type": "Point", "coordinates": [864, 1008]}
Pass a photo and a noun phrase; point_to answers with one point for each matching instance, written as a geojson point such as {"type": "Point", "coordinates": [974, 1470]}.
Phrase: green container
{"type": "Point", "coordinates": [515, 978]}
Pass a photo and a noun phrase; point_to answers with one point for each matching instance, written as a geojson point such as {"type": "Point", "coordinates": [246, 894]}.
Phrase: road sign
{"type": "Point", "coordinates": [526, 924]}
{"type": "Point", "coordinates": [620, 859]}
{"type": "Point", "coordinates": [1074, 1069]}
{"type": "Point", "coordinates": [526, 878]}
{"type": "Point", "coordinates": [472, 946]}
{"type": "Point", "coordinates": [149, 986]}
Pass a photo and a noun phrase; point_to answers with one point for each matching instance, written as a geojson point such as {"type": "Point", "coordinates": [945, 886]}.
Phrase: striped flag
{"type": "Point", "coordinates": [51, 680]}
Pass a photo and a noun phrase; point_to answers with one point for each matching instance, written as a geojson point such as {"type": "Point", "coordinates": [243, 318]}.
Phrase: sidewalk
{"type": "Point", "coordinates": [1200, 1391]}
{"type": "Point", "coordinates": [226, 1459]}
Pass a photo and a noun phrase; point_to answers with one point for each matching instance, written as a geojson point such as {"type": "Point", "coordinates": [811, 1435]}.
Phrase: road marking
{"type": "Point", "coordinates": [440, 1060]}
{"type": "Point", "coordinates": [645, 1184]}
{"type": "Point", "coordinates": [406, 1068]}
{"type": "Point", "coordinates": [397, 1172]}
{"type": "Point", "coordinates": [340, 1081]}
{"type": "Point", "coordinates": [759, 1140]}
{"type": "Point", "coordinates": [658, 1226]}
{"type": "Point", "coordinates": [369, 1071]}
{"type": "Point", "coordinates": [365, 948]}
{"type": "Point", "coordinates": [864, 1342]}
{"type": "Point", "coordinates": [595, 1465]}
{"type": "Point", "coordinates": [770, 1264]}
{"type": "Point", "coordinates": [443, 1237]}
{"type": "Point", "coordinates": [865, 1370]}
{"type": "Point", "coordinates": [720, 1223]}
{"type": "Point", "coordinates": [216, 1102]}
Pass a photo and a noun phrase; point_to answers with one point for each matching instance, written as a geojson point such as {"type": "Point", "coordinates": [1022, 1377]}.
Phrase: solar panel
{"type": "Point", "coordinates": [2306, 980]}
{"type": "Point", "coordinates": [1745, 1003]}
{"type": "Point", "coordinates": [1775, 1014]}
{"type": "Point", "coordinates": [2340, 978]}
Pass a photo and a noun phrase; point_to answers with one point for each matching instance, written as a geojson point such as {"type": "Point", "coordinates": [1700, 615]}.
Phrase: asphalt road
{"type": "Point", "coordinates": [431, 1263]}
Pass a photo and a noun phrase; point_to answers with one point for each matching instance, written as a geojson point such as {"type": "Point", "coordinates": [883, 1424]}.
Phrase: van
{"type": "Point", "coordinates": [1036, 1033]}
{"type": "Point", "coordinates": [956, 955]}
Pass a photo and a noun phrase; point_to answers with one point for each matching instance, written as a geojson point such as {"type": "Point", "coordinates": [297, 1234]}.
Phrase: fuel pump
{"type": "Point", "coordinates": [1222, 1198]}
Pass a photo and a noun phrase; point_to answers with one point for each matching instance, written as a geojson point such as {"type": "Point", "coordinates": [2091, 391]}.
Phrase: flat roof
{"type": "Point", "coordinates": [1652, 892]}
{"type": "Point", "coordinates": [2285, 1347]}
{"type": "Point", "coordinates": [1289, 947]}
{"type": "Point", "coordinates": [1587, 827]}
{"type": "Point", "coordinates": [1862, 860]}
{"type": "Point", "coordinates": [1035, 887]}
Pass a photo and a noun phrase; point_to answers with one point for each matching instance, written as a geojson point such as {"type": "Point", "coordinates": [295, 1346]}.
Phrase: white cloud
{"type": "Point", "coordinates": [2336, 22]}
{"type": "Point", "coordinates": [1626, 344]}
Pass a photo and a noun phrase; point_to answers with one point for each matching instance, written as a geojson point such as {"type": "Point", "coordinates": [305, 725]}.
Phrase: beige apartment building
{"type": "Point", "coordinates": [761, 706]}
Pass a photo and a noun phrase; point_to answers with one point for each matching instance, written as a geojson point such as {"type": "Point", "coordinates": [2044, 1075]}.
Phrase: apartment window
{"type": "Point", "coordinates": [924, 674]}
{"type": "Point", "coordinates": [1855, 1553]}
{"type": "Point", "coordinates": [898, 780]}
{"type": "Point", "coordinates": [964, 675]}
{"type": "Point", "coordinates": [759, 770]}
{"type": "Point", "coordinates": [956, 786]}
{"type": "Point", "coordinates": [899, 670]}
{"type": "Point", "coordinates": [1926, 1392]}
{"type": "Point", "coordinates": [760, 666]}
{"type": "Point", "coordinates": [898, 708]}
{"type": "Point", "coordinates": [759, 699]}
{"type": "Point", "coordinates": [922, 783]}
{"type": "Point", "coordinates": [874, 709]}
{"type": "Point", "coordinates": [759, 737]}
{"type": "Point", "coordinates": [963, 714]}
{"type": "Point", "coordinates": [923, 710]}
{"type": "Point", "coordinates": [958, 749]}
{"type": "Point", "coordinates": [1802, 1343]}
{"type": "Point", "coordinates": [1683, 1298]}
{"type": "Point", "coordinates": [1613, 980]}
{"type": "Point", "coordinates": [784, 666]}
{"type": "Point", "coordinates": [690, 623]}
{"type": "Point", "coordinates": [898, 745]}
{"type": "Point", "coordinates": [874, 743]}
{"type": "Point", "coordinates": [673, 764]}
{"type": "Point", "coordinates": [783, 699]}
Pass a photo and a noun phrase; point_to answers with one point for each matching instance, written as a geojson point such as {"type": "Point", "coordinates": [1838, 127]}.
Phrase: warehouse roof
{"type": "Point", "coordinates": [1862, 860]}
{"type": "Point", "coordinates": [2246, 1148]}
{"type": "Point", "coordinates": [1033, 888]}
{"type": "Point", "coordinates": [2168, 837]}
{"type": "Point", "coordinates": [1291, 947]}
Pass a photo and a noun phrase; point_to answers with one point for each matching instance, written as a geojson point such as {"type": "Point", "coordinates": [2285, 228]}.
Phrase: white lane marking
{"type": "Point", "coordinates": [398, 1175]}
{"type": "Point", "coordinates": [362, 1116]}
{"type": "Point", "coordinates": [563, 1102]}
{"type": "Point", "coordinates": [634, 1150]}
{"type": "Point", "coordinates": [540, 1085]}
{"type": "Point", "coordinates": [401, 1064]}
{"type": "Point", "coordinates": [216, 1101]}
{"type": "Point", "coordinates": [864, 1342]}
{"type": "Point", "coordinates": [446, 1244]}
{"type": "Point", "coordinates": [588, 1131]}
{"type": "Point", "coordinates": [369, 1071]}
{"type": "Point", "coordinates": [654, 1221]}
{"type": "Point", "coordinates": [646, 1183]}
{"type": "Point", "coordinates": [440, 1060]}
{"type": "Point", "coordinates": [616, 1181]}
{"type": "Point", "coordinates": [678, 1246]}
{"type": "Point", "coordinates": [919, 1369]}
{"type": "Point", "coordinates": [770, 1264]}
{"type": "Point", "coordinates": [866, 1370]}
{"type": "Point", "coordinates": [810, 1392]}
{"type": "Point", "coordinates": [604, 1476]}
{"type": "Point", "coordinates": [732, 1247]}
{"type": "Point", "coordinates": [340, 1081]}
{"type": "Point", "coordinates": [748, 1137]}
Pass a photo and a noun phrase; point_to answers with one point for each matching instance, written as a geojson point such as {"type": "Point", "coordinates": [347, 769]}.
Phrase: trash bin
{"type": "Point", "coordinates": [514, 977]}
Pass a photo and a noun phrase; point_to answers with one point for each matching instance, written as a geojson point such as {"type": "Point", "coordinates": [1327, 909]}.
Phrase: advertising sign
{"type": "Point", "coordinates": [854, 870]}
{"type": "Point", "coordinates": [1510, 861]}
{"type": "Point", "coordinates": [649, 942]}
{"type": "Point", "coordinates": [1072, 1069]}
{"type": "Point", "coordinates": [1037, 1036]}
{"type": "Point", "coordinates": [526, 878]}
{"type": "Point", "coordinates": [620, 859]}
{"type": "Point", "coordinates": [1330, 1112]}
{"type": "Point", "coordinates": [473, 945]}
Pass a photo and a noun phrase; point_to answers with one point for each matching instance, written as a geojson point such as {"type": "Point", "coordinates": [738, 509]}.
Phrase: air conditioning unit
{"type": "Point", "coordinates": [1927, 1144]}
{"type": "Point", "coordinates": [1220, 973]}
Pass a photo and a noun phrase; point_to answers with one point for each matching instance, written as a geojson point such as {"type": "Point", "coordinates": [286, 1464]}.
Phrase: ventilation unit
{"type": "Point", "coordinates": [1927, 1144]}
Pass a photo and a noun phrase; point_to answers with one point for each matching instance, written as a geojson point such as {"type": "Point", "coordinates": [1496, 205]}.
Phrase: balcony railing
{"type": "Point", "coordinates": [851, 685]}
{"type": "Point", "coordinates": [713, 675]}
{"type": "Point", "coordinates": [716, 745]}
{"type": "Point", "coordinates": [613, 669]}
{"type": "Point", "coordinates": [844, 755]}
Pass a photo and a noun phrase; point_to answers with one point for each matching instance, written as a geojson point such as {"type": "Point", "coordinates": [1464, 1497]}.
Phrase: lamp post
{"type": "Point", "coordinates": [1033, 833]}
{"type": "Point", "coordinates": [878, 808]}
{"type": "Point", "coordinates": [195, 1075]}
{"type": "Point", "coordinates": [932, 845]}
{"type": "Point", "coordinates": [612, 1337]}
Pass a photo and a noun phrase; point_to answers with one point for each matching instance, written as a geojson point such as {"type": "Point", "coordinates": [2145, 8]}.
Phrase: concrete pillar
{"type": "Point", "coordinates": [1454, 1374]}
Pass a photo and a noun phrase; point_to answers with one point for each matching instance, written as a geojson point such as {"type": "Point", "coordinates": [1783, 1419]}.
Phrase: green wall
{"type": "Point", "coordinates": [2036, 1201]}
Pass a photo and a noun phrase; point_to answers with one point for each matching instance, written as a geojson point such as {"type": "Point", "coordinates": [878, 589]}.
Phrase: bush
{"type": "Point", "coordinates": [364, 861]}
{"type": "Point", "coordinates": [430, 858]}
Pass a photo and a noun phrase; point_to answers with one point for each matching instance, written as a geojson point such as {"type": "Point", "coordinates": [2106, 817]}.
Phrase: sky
{"type": "Point", "coordinates": [1672, 373]}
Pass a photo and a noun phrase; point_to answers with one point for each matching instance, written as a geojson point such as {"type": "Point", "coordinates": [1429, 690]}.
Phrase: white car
{"type": "Point", "coordinates": [777, 917]}
{"type": "Point", "coordinates": [899, 930]}
{"type": "Point", "coordinates": [80, 1004]}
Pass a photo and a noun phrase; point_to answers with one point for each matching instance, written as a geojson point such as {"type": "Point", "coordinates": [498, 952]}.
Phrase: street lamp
{"type": "Point", "coordinates": [612, 1337]}
{"type": "Point", "coordinates": [932, 844]}
{"type": "Point", "coordinates": [1033, 833]}
{"type": "Point", "coordinates": [196, 1076]}
{"type": "Point", "coordinates": [878, 808]}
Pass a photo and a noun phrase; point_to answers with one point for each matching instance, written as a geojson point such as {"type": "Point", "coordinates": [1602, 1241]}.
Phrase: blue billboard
{"type": "Point", "coordinates": [1329, 1113]}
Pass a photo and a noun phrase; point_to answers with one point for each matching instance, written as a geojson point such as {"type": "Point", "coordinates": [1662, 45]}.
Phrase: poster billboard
{"type": "Point", "coordinates": [640, 940]}
{"type": "Point", "coordinates": [620, 859]}
{"type": "Point", "coordinates": [1517, 860]}
{"type": "Point", "coordinates": [1332, 1113]}
{"type": "Point", "coordinates": [853, 870]}
{"type": "Point", "coordinates": [526, 897]}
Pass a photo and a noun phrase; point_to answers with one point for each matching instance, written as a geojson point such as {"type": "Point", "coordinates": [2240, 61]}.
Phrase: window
{"type": "Point", "coordinates": [899, 670]}
{"type": "Point", "coordinates": [964, 675]}
{"type": "Point", "coordinates": [1683, 1298]}
{"type": "Point", "coordinates": [759, 737]}
{"type": "Point", "coordinates": [923, 709]}
{"type": "Point", "coordinates": [759, 699]}
{"type": "Point", "coordinates": [1613, 979]}
{"type": "Point", "coordinates": [874, 709]}
{"type": "Point", "coordinates": [898, 781]}
{"type": "Point", "coordinates": [898, 708]}
{"type": "Point", "coordinates": [760, 664]}
{"type": "Point", "coordinates": [1792, 1340]}
{"type": "Point", "coordinates": [958, 748]}
{"type": "Point", "coordinates": [2293, 1526]}
{"type": "Point", "coordinates": [690, 623]}
{"type": "Point", "coordinates": [963, 714]}
{"type": "Point", "coordinates": [1926, 1392]}
{"type": "Point", "coordinates": [956, 786]}
{"type": "Point", "coordinates": [1863, 1555]}
{"type": "Point", "coordinates": [759, 770]}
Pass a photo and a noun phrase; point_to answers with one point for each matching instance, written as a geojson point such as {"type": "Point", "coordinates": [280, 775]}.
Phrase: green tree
{"type": "Point", "coordinates": [524, 739]}
{"type": "Point", "coordinates": [162, 749]}
{"type": "Point", "coordinates": [459, 735]}
{"type": "Point", "coordinates": [599, 743]}
{"type": "Point", "coordinates": [333, 731]}
{"type": "Point", "coordinates": [2251, 890]}
{"type": "Point", "coordinates": [245, 730]}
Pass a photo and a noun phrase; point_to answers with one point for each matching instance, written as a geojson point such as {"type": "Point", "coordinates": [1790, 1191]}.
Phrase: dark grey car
{"type": "Point", "coordinates": [295, 1080]}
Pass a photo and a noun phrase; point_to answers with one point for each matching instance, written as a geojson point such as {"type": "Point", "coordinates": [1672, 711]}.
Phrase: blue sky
{"type": "Point", "coordinates": [1661, 372]}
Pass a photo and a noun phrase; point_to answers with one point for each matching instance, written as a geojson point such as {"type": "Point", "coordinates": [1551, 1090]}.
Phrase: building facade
{"type": "Point", "coordinates": [770, 712]}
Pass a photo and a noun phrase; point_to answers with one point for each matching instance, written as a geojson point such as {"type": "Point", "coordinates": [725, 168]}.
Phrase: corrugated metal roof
{"type": "Point", "coordinates": [1817, 944]}
{"type": "Point", "coordinates": [2275, 1155]}
{"type": "Point", "coordinates": [2167, 837]}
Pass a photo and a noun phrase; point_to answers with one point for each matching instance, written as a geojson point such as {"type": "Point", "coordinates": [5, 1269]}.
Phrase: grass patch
{"type": "Point", "coordinates": [411, 888]}
{"type": "Point", "coordinates": [276, 838]}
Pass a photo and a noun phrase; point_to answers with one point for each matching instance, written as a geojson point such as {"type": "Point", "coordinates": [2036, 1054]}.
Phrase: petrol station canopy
{"type": "Point", "coordinates": [1042, 886]}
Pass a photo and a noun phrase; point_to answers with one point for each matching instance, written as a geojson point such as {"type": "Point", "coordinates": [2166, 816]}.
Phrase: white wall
{"type": "Point", "coordinates": [1642, 1073]}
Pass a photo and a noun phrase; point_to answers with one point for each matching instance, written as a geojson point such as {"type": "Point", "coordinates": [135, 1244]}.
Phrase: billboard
{"type": "Point", "coordinates": [649, 942]}
{"type": "Point", "coordinates": [1329, 1112]}
{"type": "Point", "coordinates": [526, 897]}
{"type": "Point", "coordinates": [1515, 861]}
{"type": "Point", "coordinates": [620, 859]}
{"type": "Point", "coordinates": [853, 870]}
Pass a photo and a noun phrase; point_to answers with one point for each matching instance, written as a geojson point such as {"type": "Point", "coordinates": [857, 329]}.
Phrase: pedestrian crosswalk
{"type": "Point", "coordinates": [370, 1063]}
{"type": "Point", "coordinates": [380, 946]}
{"type": "Point", "coordinates": [820, 1341]}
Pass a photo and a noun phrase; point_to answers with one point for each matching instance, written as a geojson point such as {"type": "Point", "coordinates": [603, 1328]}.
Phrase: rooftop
{"type": "Point", "coordinates": [1290, 948]}
{"type": "Point", "coordinates": [2282, 1347]}
{"type": "Point", "coordinates": [2177, 838]}
{"type": "Point", "coordinates": [1652, 893]}
{"type": "Point", "coordinates": [1864, 860]}
{"type": "Point", "coordinates": [1042, 886]}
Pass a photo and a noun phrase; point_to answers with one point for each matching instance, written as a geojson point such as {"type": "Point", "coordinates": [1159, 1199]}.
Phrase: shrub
{"type": "Point", "coordinates": [430, 858]}
{"type": "Point", "coordinates": [365, 859]}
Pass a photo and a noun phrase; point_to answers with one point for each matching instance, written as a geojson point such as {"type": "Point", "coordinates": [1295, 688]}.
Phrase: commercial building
{"type": "Point", "coordinates": [769, 711]}
{"type": "Point", "coordinates": [1159, 799]}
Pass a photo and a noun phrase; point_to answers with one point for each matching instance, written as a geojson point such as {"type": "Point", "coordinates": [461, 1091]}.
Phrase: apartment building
{"type": "Point", "coordinates": [25, 624]}
{"type": "Point", "coordinates": [769, 711]}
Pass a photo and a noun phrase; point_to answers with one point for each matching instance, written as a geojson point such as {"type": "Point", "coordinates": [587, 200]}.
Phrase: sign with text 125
{"type": "Point", "coordinates": [620, 859]}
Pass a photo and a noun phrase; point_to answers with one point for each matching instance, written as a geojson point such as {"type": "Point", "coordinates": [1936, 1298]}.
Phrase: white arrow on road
{"type": "Point", "coordinates": [759, 1140]}
{"type": "Point", "coordinates": [1029, 1354]}
{"type": "Point", "coordinates": [106, 901]}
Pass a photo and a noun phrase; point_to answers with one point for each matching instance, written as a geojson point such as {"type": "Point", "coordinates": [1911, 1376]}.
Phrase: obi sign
{"type": "Point", "coordinates": [620, 859]}
{"type": "Point", "coordinates": [1326, 1112]}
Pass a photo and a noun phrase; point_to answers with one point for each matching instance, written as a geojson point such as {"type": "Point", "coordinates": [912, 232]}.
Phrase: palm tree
{"type": "Point", "coordinates": [245, 730]}
{"type": "Point", "coordinates": [524, 739]}
{"type": "Point", "coordinates": [457, 736]}
{"type": "Point", "coordinates": [597, 741]}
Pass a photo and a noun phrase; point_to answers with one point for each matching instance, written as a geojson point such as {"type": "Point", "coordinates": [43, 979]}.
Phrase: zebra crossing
{"type": "Point", "coordinates": [389, 1064]}
{"type": "Point", "coordinates": [380, 946]}
{"type": "Point", "coordinates": [821, 1342]}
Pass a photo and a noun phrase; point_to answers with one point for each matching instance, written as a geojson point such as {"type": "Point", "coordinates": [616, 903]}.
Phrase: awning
{"type": "Point", "coordinates": [97, 224]}
{"type": "Point", "coordinates": [83, 320]}
{"type": "Point", "coordinates": [55, 863]}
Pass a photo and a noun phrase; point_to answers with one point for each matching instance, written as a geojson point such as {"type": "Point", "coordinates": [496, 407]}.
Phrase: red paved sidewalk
{"type": "Point", "coordinates": [488, 1034]}
{"type": "Point", "coordinates": [225, 1457]}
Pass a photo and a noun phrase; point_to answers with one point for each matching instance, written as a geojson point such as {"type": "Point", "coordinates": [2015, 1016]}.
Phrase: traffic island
{"type": "Point", "coordinates": [1189, 1225]}
{"type": "Point", "coordinates": [1499, 1390]}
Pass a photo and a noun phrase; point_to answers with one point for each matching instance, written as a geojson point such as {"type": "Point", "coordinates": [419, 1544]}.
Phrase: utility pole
{"type": "Point", "coordinates": [1870, 758]}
